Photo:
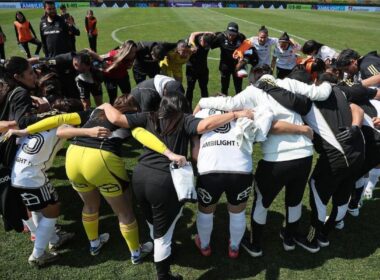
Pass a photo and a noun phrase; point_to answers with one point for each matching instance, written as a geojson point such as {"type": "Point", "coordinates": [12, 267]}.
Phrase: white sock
{"type": "Point", "coordinates": [45, 229]}
{"type": "Point", "coordinates": [95, 243]}
{"type": "Point", "coordinates": [237, 228]}
{"type": "Point", "coordinates": [373, 178]}
{"type": "Point", "coordinates": [204, 227]}
{"type": "Point", "coordinates": [36, 216]}
{"type": "Point", "coordinates": [31, 226]}
{"type": "Point", "coordinates": [54, 237]}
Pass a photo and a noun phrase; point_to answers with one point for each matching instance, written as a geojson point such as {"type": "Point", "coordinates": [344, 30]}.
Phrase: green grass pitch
{"type": "Point", "coordinates": [354, 252]}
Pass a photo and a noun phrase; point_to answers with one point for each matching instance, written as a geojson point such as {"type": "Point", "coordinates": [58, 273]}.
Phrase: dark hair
{"type": "Point", "coordinates": [182, 43]}
{"type": "Point", "coordinates": [159, 52]}
{"type": "Point", "coordinates": [318, 66]}
{"type": "Point", "coordinates": [313, 66]}
{"type": "Point", "coordinates": [263, 29]}
{"type": "Point", "coordinates": [15, 65]}
{"type": "Point", "coordinates": [259, 71]}
{"type": "Point", "coordinates": [20, 13]}
{"type": "Point", "coordinates": [48, 2]}
{"type": "Point", "coordinates": [327, 77]}
{"type": "Point", "coordinates": [50, 87]}
{"type": "Point", "coordinates": [284, 37]}
{"type": "Point", "coordinates": [311, 46]}
{"type": "Point", "coordinates": [208, 38]}
{"type": "Point", "coordinates": [170, 113]}
{"type": "Point", "coordinates": [63, 6]}
{"type": "Point", "coordinates": [83, 57]}
{"type": "Point", "coordinates": [126, 103]}
{"type": "Point", "coordinates": [345, 58]}
{"type": "Point", "coordinates": [67, 105]}
{"type": "Point", "coordinates": [299, 73]}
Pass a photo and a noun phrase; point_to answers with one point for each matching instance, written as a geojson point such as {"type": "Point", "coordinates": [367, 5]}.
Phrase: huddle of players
{"type": "Point", "coordinates": [345, 136]}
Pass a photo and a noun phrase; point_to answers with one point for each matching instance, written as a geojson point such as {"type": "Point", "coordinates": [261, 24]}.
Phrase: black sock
{"type": "Point", "coordinates": [163, 268]}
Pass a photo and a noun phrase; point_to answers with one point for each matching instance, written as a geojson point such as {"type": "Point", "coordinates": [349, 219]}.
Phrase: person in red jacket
{"type": "Point", "coordinates": [115, 65]}
{"type": "Point", "coordinates": [92, 32]}
{"type": "Point", "coordinates": [25, 34]}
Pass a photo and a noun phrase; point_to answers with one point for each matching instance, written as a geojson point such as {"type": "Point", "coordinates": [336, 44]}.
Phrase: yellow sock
{"type": "Point", "coordinates": [130, 233]}
{"type": "Point", "coordinates": [91, 225]}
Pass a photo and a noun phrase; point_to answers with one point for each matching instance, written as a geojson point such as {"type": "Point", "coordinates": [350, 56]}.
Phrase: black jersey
{"type": "Point", "coordinates": [227, 47]}
{"type": "Point", "coordinates": [55, 36]}
{"type": "Point", "coordinates": [21, 108]}
{"type": "Point", "coordinates": [177, 141]}
{"type": "Point", "coordinates": [360, 95]}
{"type": "Point", "coordinates": [198, 60]}
{"type": "Point", "coordinates": [147, 96]}
{"type": "Point", "coordinates": [369, 65]}
{"type": "Point", "coordinates": [111, 144]}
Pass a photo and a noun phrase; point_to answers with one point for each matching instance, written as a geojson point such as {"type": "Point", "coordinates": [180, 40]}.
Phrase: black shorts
{"type": "Point", "coordinates": [211, 186]}
{"type": "Point", "coordinates": [85, 89]}
{"type": "Point", "coordinates": [37, 199]}
{"type": "Point", "coordinates": [123, 83]}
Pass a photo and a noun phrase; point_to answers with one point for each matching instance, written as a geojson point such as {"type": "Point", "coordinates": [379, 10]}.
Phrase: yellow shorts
{"type": "Point", "coordinates": [89, 169]}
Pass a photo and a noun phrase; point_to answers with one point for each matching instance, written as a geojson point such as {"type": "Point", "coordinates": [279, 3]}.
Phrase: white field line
{"type": "Point", "coordinates": [255, 23]}
{"type": "Point", "coordinates": [116, 39]}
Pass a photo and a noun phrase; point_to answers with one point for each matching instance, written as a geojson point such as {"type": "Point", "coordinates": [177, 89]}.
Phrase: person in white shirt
{"type": "Point", "coordinates": [318, 50]}
{"type": "Point", "coordinates": [34, 157]}
{"type": "Point", "coordinates": [233, 176]}
{"type": "Point", "coordinates": [285, 56]}
{"type": "Point", "coordinates": [262, 43]}
{"type": "Point", "coordinates": [287, 157]}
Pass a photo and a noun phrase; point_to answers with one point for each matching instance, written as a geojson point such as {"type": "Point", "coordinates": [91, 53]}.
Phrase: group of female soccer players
{"type": "Point", "coordinates": [325, 102]}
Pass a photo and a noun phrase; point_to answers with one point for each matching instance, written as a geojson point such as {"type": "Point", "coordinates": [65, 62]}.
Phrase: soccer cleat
{"type": "Point", "coordinates": [368, 193]}
{"type": "Point", "coordinates": [206, 252]}
{"type": "Point", "coordinates": [322, 240]}
{"type": "Point", "coordinates": [339, 225]}
{"type": "Point", "coordinates": [63, 237]}
{"type": "Point", "coordinates": [172, 276]}
{"type": "Point", "coordinates": [353, 211]}
{"type": "Point", "coordinates": [310, 245]}
{"type": "Point", "coordinates": [103, 238]}
{"type": "Point", "coordinates": [253, 250]}
{"type": "Point", "coordinates": [145, 249]}
{"type": "Point", "coordinates": [46, 258]}
{"type": "Point", "coordinates": [233, 252]}
{"type": "Point", "coordinates": [287, 242]}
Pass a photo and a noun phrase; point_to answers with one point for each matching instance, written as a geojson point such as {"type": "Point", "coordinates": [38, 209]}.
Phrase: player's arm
{"type": "Point", "coordinates": [54, 122]}
{"type": "Point", "coordinates": [282, 127]}
{"type": "Point", "coordinates": [215, 121]}
{"type": "Point", "coordinates": [372, 81]}
{"type": "Point", "coordinates": [239, 52]}
{"type": "Point", "coordinates": [357, 115]}
{"type": "Point", "coordinates": [6, 125]}
{"type": "Point", "coordinates": [114, 116]}
{"type": "Point", "coordinates": [273, 63]}
{"type": "Point", "coordinates": [67, 132]}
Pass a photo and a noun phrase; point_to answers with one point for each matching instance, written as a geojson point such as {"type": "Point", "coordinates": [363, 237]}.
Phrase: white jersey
{"type": "Point", "coordinates": [219, 151]}
{"type": "Point", "coordinates": [376, 103]}
{"type": "Point", "coordinates": [264, 51]}
{"type": "Point", "coordinates": [34, 157]}
{"type": "Point", "coordinates": [286, 59]}
{"type": "Point", "coordinates": [281, 147]}
{"type": "Point", "coordinates": [326, 53]}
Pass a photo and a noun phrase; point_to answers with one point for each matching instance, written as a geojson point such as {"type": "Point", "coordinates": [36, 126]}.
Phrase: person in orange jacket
{"type": "Point", "coordinates": [25, 34]}
{"type": "Point", "coordinates": [92, 32]}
